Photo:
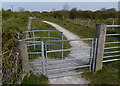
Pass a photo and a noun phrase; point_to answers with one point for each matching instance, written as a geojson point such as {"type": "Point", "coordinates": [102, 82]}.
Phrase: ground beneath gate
{"type": "Point", "coordinates": [76, 79]}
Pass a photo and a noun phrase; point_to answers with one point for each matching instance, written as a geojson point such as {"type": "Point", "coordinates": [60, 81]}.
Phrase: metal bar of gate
{"type": "Point", "coordinates": [91, 55]}
{"type": "Point", "coordinates": [33, 38]}
{"type": "Point", "coordinates": [111, 60]}
{"type": "Point", "coordinates": [112, 42]}
{"type": "Point", "coordinates": [49, 40]}
{"type": "Point", "coordinates": [69, 49]}
{"type": "Point", "coordinates": [62, 43]}
{"type": "Point", "coordinates": [41, 31]}
{"type": "Point", "coordinates": [70, 40]}
{"type": "Point", "coordinates": [113, 25]}
{"type": "Point", "coordinates": [46, 57]}
{"type": "Point", "coordinates": [95, 51]}
{"type": "Point", "coordinates": [43, 59]}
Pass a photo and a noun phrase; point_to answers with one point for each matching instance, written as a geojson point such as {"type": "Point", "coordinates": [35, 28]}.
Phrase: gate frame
{"type": "Point", "coordinates": [91, 55]}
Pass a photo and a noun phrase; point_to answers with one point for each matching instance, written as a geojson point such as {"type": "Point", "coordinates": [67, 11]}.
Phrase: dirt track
{"type": "Point", "coordinates": [77, 79]}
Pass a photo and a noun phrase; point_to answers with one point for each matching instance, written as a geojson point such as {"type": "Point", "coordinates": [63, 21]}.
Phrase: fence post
{"type": "Point", "coordinates": [24, 56]}
{"type": "Point", "coordinates": [28, 26]}
{"type": "Point", "coordinates": [29, 23]}
{"type": "Point", "coordinates": [101, 35]}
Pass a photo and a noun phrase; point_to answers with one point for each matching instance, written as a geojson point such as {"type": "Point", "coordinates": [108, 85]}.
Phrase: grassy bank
{"type": "Point", "coordinates": [109, 73]}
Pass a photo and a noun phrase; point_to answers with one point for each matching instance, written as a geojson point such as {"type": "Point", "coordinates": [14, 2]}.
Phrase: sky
{"type": "Point", "coordinates": [60, 0]}
{"type": "Point", "coordinates": [49, 6]}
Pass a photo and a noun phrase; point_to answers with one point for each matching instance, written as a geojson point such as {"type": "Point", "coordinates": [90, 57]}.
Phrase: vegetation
{"type": "Point", "coordinates": [12, 22]}
{"type": "Point", "coordinates": [33, 79]}
{"type": "Point", "coordinates": [76, 14]}
{"type": "Point", "coordinates": [108, 75]}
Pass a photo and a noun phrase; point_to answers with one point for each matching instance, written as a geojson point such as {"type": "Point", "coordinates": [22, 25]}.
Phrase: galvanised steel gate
{"type": "Point", "coordinates": [64, 62]}
{"type": "Point", "coordinates": [112, 49]}
{"type": "Point", "coordinates": [79, 59]}
{"type": "Point", "coordinates": [35, 45]}
{"type": "Point", "coordinates": [49, 55]}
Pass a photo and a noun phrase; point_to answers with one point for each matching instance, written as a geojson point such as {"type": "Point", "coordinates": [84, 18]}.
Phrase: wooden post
{"type": "Point", "coordinates": [24, 56]}
{"type": "Point", "coordinates": [101, 35]}
{"type": "Point", "coordinates": [28, 26]}
{"type": "Point", "coordinates": [29, 23]}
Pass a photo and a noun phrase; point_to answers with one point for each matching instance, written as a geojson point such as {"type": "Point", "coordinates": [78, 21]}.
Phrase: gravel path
{"type": "Point", "coordinates": [76, 79]}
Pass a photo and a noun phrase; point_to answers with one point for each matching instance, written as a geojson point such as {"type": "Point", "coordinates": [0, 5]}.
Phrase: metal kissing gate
{"type": "Point", "coordinates": [75, 60]}
{"type": "Point", "coordinates": [56, 57]}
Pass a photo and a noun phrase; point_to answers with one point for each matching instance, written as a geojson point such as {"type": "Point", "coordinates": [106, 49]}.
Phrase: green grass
{"type": "Point", "coordinates": [11, 62]}
{"type": "Point", "coordinates": [81, 27]}
{"type": "Point", "coordinates": [109, 73]}
{"type": "Point", "coordinates": [39, 25]}
{"type": "Point", "coordinates": [80, 30]}
{"type": "Point", "coordinates": [33, 79]}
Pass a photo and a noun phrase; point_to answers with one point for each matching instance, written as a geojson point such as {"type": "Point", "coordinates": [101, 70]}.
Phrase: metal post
{"type": "Point", "coordinates": [46, 58]}
{"type": "Point", "coordinates": [62, 43]}
{"type": "Point", "coordinates": [43, 60]}
{"type": "Point", "coordinates": [101, 35]}
{"type": "Point", "coordinates": [91, 54]}
{"type": "Point", "coordinates": [34, 38]}
{"type": "Point", "coordinates": [49, 40]}
{"type": "Point", "coordinates": [94, 53]}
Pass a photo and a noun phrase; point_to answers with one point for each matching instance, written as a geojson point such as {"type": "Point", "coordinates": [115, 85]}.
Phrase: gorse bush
{"type": "Point", "coordinates": [11, 63]}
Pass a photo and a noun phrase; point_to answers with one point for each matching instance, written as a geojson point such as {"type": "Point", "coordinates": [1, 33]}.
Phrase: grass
{"type": "Point", "coordinates": [110, 71]}
{"type": "Point", "coordinates": [108, 75]}
{"type": "Point", "coordinates": [80, 30]}
{"type": "Point", "coordinates": [33, 79]}
{"type": "Point", "coordinates": [39, 25]}
{"type": "Point", "coordinates": [81, 27]}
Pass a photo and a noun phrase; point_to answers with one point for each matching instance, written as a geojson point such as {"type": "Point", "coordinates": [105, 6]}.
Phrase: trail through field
{"type": "Point", "coordinates": [76, 79]}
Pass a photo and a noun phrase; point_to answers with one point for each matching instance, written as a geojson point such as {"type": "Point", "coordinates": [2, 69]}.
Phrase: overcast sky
{"type": "Point", "coordinates": [60, 0]}
{"type": "Point", "coordinates": [48, 6]}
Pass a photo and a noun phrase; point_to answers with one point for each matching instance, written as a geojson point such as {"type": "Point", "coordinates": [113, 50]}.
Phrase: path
{"type": "Point", "coordinates": [77, 79]}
